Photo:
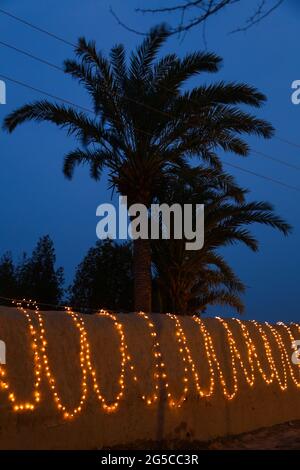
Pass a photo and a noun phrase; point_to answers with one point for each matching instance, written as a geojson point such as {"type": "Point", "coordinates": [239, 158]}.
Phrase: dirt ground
{"type": "Point", "coordinates": [280, 437]}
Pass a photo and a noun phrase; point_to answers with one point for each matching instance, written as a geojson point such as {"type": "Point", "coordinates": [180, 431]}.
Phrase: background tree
{"type": "Point", "coordinates": [104, 279]}
{"type": "Point", "coordinates": [8, 280]}
{"type": "Point", "coordinates": [144, 125]}
{"type": "Point", "coordinates": [37, 277]}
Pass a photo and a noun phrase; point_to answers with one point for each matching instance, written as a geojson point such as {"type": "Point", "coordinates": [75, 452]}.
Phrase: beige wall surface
{"type": "Point", "coordinates": [202, 380]}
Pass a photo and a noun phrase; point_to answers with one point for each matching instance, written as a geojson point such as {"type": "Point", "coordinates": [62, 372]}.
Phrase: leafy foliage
{"type": "Point", "coordinates": [189, 281]}
{"type": "Point", "coordinates": [34, 277]}
{"type": "Point", "coordinates": [37, 277]}
{"type": "Point", "coordinates": [145, 123]}
{"type": "Point", "coordinates": [104, 279]}
{"type": "Point", "coordinates": [142, 123]}
{"type": "Point", "coordinates": [8, 281]}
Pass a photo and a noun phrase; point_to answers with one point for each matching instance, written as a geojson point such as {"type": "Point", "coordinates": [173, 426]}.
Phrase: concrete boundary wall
{"type": "Point", "coordinates": [182, 380]}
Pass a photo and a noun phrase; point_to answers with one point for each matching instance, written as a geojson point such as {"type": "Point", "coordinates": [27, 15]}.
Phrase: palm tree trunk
{"type": "Point", "coordinates": [142, 275]}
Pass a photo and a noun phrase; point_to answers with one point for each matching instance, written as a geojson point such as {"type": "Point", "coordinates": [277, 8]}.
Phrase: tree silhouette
{"type": "Point", "coordinates": [8, 280]}
{"type": "Point", "coordinates": [37, 277]}
{"type": "Point", "coordinates": [194, 13]}
{"type": "Point", "coordinates": [104, 279]}
{"type": "Point", "coordinates": [189, 281]}
{"type": "Point", "coordinates": [144, 124]}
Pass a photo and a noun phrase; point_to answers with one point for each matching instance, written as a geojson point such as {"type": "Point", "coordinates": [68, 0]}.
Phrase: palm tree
{"type": "Point", "coordinates": [189, 281]}
{"type": "Point", "coordinates": [143, 124]}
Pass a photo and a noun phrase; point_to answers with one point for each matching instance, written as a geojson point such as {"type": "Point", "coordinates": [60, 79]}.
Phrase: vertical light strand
{"type": "Point", "coordinates": [270, 356]}
{"type": "Point", "coordinates": [202, 393]}
{"type": "Point", "coordinates": [214, 359]}
{"type": "Point", "coordinates": [252, 352]}
{"type": "Point", "coordinates": [28, 405]}
{"type": "Point", "coordinates": [159, 365]}
{"type": "Point", "coordinates": [67, 413]}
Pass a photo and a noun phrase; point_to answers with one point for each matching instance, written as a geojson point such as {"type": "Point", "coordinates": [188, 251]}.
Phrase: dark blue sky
{"type": "Point", "coordinates": [37, 200]}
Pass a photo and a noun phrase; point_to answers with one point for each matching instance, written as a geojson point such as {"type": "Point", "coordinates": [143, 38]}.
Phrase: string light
{"type": "Point", "coordinates": [67, 414]}
{"type": "Point", "coordinates": [213, 361]}
{"type": "Point", "coordinates": [265, 332]}
{"type": "Point", "coordinates": [124, 358]}
{"type": "Point", "coordinates": [4, 383]}
{"type": "Point", "coordinates": [160, 367]}
{"type": "Point", "coordinates": [187, 358]}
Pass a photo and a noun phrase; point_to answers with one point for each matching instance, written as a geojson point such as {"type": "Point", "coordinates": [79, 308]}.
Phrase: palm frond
{"type": "Point", "coordinates": [76, 123]}
{"type": "Point", "coordinates": [225, 93]}
{"type": "Point", "coordinates": [118, 63]}
{"type": "Point", "coordinates": [142, 59]}
{"type": "Point", "coordinates": [96, 159]}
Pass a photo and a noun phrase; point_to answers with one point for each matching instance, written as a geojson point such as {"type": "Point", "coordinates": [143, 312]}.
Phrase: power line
{"type": "Point", "coordinates": [37, 28]}
{"type": "Point", "coordinates": [57, 67]}
{"type": "Point", "coordinates": [131, 99]}
{"type": "Point", "coordinates": [5, 77]}
{"type": "Point", "coordinates": [50, 64]}
{"type": "Point", "coordinates": [65, 41]}
{"type": "Point", "coordinates": [38, 90]}
{"type": "Point", "coordinates": [50, 95]}
{"type": "Point", "coordinates": [28, 54]}
{"type": "Point", "coordinates": [289, 142]}
{"type": "Point", "coordinates": [274, 159]}
{"type": "Point", "coordinates": [281, 183]}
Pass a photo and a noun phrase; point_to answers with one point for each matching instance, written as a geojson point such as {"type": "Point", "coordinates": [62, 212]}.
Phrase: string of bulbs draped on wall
{"type": "Point", "coordinates": [43, 371]}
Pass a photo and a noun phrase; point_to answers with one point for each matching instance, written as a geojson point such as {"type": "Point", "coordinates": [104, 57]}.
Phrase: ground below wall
{"type": "Point", "coordinates": [170, 379]}
{"type": "Point", "coordinates": [285, 436]}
